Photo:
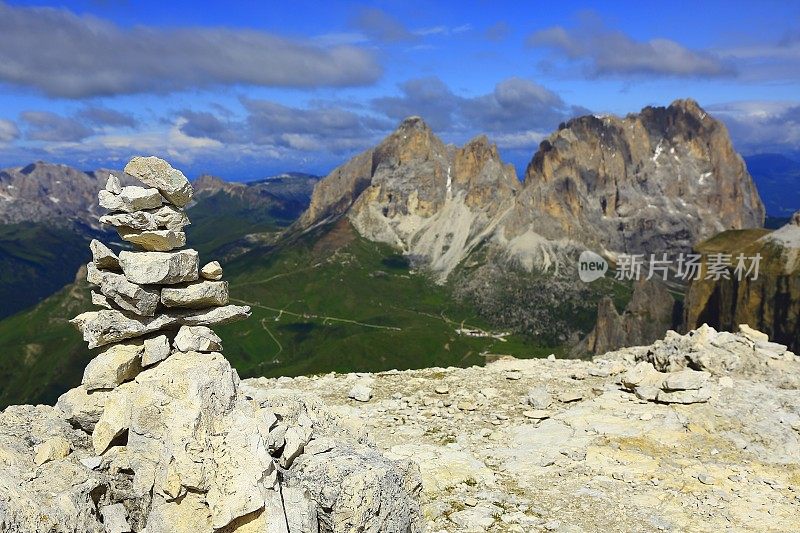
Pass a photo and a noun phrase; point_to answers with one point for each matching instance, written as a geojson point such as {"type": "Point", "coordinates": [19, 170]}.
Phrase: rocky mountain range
{"type": "Point", "coordinates": [55, 193]}
{"type": "Point", "coordinates": [379, 224]}
{"type": "Point", "coordinates": [46, 192]}
{"type": "Point", "coordinates": [657, 181]}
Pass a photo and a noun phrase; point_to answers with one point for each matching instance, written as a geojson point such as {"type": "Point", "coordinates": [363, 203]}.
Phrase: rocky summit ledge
{"type": "Point", "coordinates": [568, 445]}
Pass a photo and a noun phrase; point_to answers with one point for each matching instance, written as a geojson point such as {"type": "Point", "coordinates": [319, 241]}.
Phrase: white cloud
{"type": "Point", "coordinates": [66, 55]}
{"type": "Point", "coordinates": [8, 131]}
{"type": "Point", "coordinates": [606, 52]}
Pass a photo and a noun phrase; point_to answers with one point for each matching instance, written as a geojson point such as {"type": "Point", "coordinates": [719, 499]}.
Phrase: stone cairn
{"type": "Point", "coordinates": [155, 288]}
{"type": "Point", "coordinates": [162, 436]}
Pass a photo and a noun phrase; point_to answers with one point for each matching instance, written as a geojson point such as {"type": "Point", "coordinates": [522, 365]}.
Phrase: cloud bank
{"type": "Point", "coordinates": [606, 52]}
{"type": "Point", "coordinates": [65, 55]}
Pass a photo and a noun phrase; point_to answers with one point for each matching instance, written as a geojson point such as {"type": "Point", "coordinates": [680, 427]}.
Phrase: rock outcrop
{"type": "Point", "coordinates": [657, 181]}
{"type": "Point", "coordinates": [654, 182]}
{"type": "Point", "coordinates": [432, 201]}
{"type": "Point", "coordinates": [161, 436]}
{"type": "Point", "coordinates": [568, 445]}
{"type": "Point", "coordinates": [648, 315]}
{"type": "Point", "coordinates": [769, 302]}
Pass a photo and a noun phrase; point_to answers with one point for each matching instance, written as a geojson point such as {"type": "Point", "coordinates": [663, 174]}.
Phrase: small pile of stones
{"type": "Point", "coordinates": [155, 299]}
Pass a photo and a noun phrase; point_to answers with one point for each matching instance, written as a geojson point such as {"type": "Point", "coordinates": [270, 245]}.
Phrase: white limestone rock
{"type": "Point", "coordinates": [113, 366]}
{"type": "Point", "coordinates": [197, 339]}
{"type": "Point", "coordinates": [684, 396]}
{"type": "Point", "coordinates": [130, 199]}
{"type": "Point", "coordinates": [55, 496]}
{"type": "Point", "coordinates": [245, 473]}
{"type": "Point", "coordinates": [155, 349]}
{"type": "Point", "coordinates": [753, 333]}
{"type": "Point", "coordinates": [644, 373]}
{"type": "Point", "coordinates": [162, 240]}
{"type": "Point", "coordinates": [539, 398]}
{"type": "Point", "coordinates": [160, 268]}
{"type": "Point", "coordinates": [209, 317]}
{"type": "Point", "coordinates": [126, 295]}
{"type": "Point", "coordinates": [165, 217]}
{"type": "Point", "coordinates": [361, 391]}
{"type": "Point", "coordinates": [93, 274]}
{"type": "Point", "coordinates": [115, 419]}
{"type": "Point", "coordinates": [102, 256]}
{"type": "Point", "coordinates": [115, 518]}
{"type": "Point", "coordinates": [82, 408]}
{"type": "Point", "coordinates": [113, 184]}
{"type": "Point", "coordinates": [158, 173]}
{"type": "Point", "coordinates": [296, 438]}
{"type": "Point", "coordinates": [196, 295]}
{"type": "Point", "coordinates": [110, 325]}
{"type": "Point", "coordinates": [211, 271]}
{"type": "Point", "coordinates": [52, 449]}
{"type": "Point", "coordinates": [100, 301]}
{"type": "Point", "coordinates": [686, 379]}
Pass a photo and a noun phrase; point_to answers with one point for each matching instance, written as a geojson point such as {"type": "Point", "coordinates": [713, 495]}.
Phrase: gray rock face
{"type": "Point", "coordinates": [196, 295]}
{"type": "Point", "coordinates": [159, 268]}
{"type": "Point", "coordinates": [128, 296]}
{"type": "Point", "coordinates": [653, 182]}
{"type": "Point", "coordinates": [158, 173]}
{"type": "Point", "coordinates": [165, 217]}
{"type": "Point", "coordinates": [45, 192]}
{"type": "Point", "coordinates": [646, 318]}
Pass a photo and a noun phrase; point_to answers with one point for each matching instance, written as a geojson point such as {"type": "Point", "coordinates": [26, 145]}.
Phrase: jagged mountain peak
{"type": "Point", "coordinates": [413, 122]}
{"type": "Point", "coordinates": [654, 181]}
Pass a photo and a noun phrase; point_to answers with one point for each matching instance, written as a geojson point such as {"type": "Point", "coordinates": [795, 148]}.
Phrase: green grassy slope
{"type": "Point", "coordinates": [221, 219]}
{"type": "Point", "coordinates": [36, 260]}
{"type": "Point", "coordinates": [328, 301]}
{"type": "Point", "coordinates": [41, 355]}
{"type": "Point", "coordinates": [333, 301]}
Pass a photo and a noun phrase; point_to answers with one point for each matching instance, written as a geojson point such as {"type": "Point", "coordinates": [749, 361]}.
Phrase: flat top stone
{"type": "Point", "coordinates": [158, 173]}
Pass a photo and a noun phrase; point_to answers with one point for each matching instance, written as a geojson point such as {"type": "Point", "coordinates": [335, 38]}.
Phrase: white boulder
{"type": "Point", "coordinates": [160, 268]}
{"type": "Point", "coordinates": [158, 173]}
{"type": "Point", "coordinates": [197, 339]}
{"type": "Point", "coordinates": [196, 295]}
{"type": "Point", "coordinates": [130, 199]}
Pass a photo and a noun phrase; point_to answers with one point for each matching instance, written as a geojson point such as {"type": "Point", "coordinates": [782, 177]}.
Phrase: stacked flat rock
{"type": "Point", "coordinates": [161, 436]}
{"type": "Point", "coordinates": [155, 297]}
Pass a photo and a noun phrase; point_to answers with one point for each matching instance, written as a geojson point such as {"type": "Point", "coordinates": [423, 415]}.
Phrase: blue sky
{"type": "Point", "coordinates": [248, 89]}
